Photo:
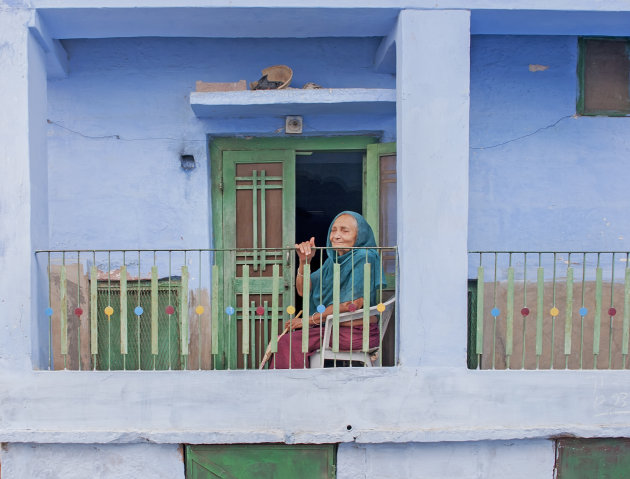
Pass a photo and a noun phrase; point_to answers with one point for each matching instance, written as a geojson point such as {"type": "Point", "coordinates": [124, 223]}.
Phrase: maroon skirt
{"type": "Point", "coordinates": [290, 355]}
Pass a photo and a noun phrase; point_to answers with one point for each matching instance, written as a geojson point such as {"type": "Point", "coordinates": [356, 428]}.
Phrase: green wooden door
{"type": "Point", "coordinates": [264, 461]}
{"type": "Point", "coordinates": [582, 458]}
{"type": "Point", "coordinates": [258, 222]}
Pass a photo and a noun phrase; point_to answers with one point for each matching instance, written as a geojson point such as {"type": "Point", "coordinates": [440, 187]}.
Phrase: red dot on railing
{"type": "Point", "coordinates": [78, 312]}
{"type": "Point", "coordinates": [169, 309]}
{"type": "Point", "coordinates": [612, 312]}
{"type": "Point", "coordinates": [260, 310]}
{"type": "Point", "coordinates": [525, 311]}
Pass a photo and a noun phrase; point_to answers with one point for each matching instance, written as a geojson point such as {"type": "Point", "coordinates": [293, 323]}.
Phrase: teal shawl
{"type": "Point", "coordinates": [351, 283]}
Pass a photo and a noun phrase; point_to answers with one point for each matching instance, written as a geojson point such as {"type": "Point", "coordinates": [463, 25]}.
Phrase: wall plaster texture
{"type": "Point", "coordinates": [96, 461]}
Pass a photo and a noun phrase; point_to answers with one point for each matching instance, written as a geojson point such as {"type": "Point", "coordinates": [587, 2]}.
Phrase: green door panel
{"type": "Point", "coordinates": [259, 213]}
{"type": "Point", "coordinates": [607, 458]}
{"type": "Point", "coordinates": [371, 185]}
{"type": "Point", "coordinates": [261, 461]}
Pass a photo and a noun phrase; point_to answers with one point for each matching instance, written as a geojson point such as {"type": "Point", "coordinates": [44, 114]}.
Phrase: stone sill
{"type": "Point", "coordinates": [327, 101]}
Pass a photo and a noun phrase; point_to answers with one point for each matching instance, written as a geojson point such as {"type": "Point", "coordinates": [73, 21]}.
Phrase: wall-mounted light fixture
{"type": "Point", "coordinates": [187, 162]}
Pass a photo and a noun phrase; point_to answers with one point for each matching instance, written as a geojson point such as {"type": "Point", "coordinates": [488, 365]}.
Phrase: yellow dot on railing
{"type": "Point", "coordinates": [554, 311]}
{"type": "Point", "coordinates": [199, 310]}
{"type": "Point", "coordinates": [380, 307]}
{"type": "Point", "coordinates": [291, 309]}
{"type": "Point", "coordinates": [109, 311]}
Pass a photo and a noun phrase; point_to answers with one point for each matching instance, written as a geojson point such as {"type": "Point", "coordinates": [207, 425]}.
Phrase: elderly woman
{"type": "Point", "coordinates": [348, 229]}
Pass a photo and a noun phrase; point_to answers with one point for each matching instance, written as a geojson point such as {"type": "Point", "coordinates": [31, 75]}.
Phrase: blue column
{"type": "Point", "coordinates": [433, 78]}
{"type": "Point", "coordinates": [23, 188]}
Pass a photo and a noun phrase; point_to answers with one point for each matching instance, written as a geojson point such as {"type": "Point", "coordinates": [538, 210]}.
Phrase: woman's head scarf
{"type": "Point", "coordinates": [351, 267]}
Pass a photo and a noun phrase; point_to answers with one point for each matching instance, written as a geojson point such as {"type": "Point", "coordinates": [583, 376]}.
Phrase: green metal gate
{"type": "Point", "coordinates": [261, 461]}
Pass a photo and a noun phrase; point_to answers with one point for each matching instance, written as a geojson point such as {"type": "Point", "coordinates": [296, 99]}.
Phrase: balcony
{"type": "Point", "coordinates": [184, 309]}
{"type": "Point", "coordinates": [548, 310]}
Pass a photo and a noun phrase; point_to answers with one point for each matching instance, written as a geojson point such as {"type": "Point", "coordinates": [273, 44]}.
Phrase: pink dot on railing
{"type": "Point", "coordinates": [260, 310]}
{"type": "Point", "coordinates": [612, 312]}
{"type": "Point", "coordinates": [78, 312]}
{"type": "Point", "coordinates": [169, 309]}
{"type": "Point", "coordinates": [352, 307]}
{"type": "Point", "coordinates": [525, 311]}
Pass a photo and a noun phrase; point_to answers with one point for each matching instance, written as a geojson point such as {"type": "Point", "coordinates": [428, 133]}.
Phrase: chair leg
{"type": "Point", "coordinates": [315, 361]}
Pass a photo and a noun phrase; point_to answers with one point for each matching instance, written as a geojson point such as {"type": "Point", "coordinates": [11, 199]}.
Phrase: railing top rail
{"type": "Point", "coordinates": [212, 250]}
{"type": "Point", "coordinates": [547, 252]}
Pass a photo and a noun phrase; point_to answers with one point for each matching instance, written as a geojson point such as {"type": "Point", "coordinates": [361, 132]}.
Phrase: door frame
{"type": "Point", "coordinates": [218, 145]}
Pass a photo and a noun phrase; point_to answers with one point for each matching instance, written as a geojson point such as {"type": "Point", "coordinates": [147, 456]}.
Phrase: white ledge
{"type": "Point", "coordinates": [235, 104]}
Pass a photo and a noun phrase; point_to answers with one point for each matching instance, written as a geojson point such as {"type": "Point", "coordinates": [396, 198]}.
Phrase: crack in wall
{"type": "Point", "coordinates": [542, 128]}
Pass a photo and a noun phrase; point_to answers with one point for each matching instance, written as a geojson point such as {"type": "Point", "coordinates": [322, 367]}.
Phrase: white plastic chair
{"type": "Point", "coordinates": [318, 357]}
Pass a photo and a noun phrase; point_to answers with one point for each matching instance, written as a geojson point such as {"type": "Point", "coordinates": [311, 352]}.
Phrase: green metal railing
{"type": "Point", "coordinates": [185, 309]}
{"type": "Point", "coordinates": [548, 310]}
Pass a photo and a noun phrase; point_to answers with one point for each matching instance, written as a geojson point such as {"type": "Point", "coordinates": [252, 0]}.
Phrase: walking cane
{"type": "Point", "coordinates": [268, 351]}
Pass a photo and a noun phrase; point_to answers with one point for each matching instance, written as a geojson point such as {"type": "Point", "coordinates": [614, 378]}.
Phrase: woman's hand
{"type": "Point", "coordinates": [305, 250]}
{"type": "Point", "coordinates": [295, 323]}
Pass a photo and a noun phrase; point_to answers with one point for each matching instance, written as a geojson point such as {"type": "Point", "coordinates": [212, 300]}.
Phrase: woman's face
{"type": "Point", "coordinates": [343, 233]}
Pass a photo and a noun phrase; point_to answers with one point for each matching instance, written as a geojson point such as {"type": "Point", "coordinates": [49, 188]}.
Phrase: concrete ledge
{"type": "Point", "coordinates": [241, 104]}
{"type": "Point", "coordinates": [381, 405]}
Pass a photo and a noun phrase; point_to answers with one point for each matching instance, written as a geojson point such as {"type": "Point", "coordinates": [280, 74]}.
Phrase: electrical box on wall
{"type": "Point", "coordinates": [293, 125]}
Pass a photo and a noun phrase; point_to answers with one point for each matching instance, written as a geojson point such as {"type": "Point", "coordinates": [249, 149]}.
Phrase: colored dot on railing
{"type": "Point", "coordinates": [169, 309]}
{"type": "Point", "coordinates": [229, 310]}
{"type": "Point", "coordinates": [260, 310]}
{"type": "Point", "coordinates": [380, 307]}
{"type": "Point", "coordinates": [78, 312]}
{"type": "Point", "coordinates": [554, 311]}
{"type": "Point", "coordinates": [525, 312]}
{"type": "Point", "coordinates": [109, 311]}
{"type": "Point", "coordinates": [352, 307]}
{"type": "Point", "coordinates": [291, 309]}
{"type": "Point", "coordinates": [583, 311]}
{"type": "Point", "coordinates": [199, 310]}
{"type": "Point", "coordinates": [495, 312]}
{"type": "Point", "coordinates": [321, 308]}
{"type": "Point", "coordinates": [138, 311]}
{"type": "Point", "coordinates": [48, 311]}
{"type": "Point", "coordinates": [612, 312]}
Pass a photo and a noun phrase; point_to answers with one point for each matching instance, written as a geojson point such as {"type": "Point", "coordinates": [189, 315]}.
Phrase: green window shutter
{"type": "Point", "coordinates": [260, 461]}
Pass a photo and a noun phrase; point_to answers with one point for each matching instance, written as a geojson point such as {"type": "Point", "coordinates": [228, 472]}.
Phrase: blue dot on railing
{"type": "Point", "coordinates": [48, 311]}
{"type": "Point", "coordinates": [138, 310]}
{"type": "Point", "coordinates": [229, 310]}
{"type": "Point", "coordinates": [321, 308]}
{"type": "Point", "coordinates": [495, 312]}
{"type": "Point", "coordinates": [583, 311]}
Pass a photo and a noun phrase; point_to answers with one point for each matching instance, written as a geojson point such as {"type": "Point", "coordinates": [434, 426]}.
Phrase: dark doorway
{"type": "Point", "coordinates": [326, 183]}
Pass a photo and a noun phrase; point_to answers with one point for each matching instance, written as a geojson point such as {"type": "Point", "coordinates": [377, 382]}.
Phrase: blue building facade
{"type": "Point", "coordinates": [492, 154]}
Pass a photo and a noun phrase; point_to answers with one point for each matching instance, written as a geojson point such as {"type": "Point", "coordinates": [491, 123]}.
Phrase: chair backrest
{"type": "Point", "coordinates": [387, 314]}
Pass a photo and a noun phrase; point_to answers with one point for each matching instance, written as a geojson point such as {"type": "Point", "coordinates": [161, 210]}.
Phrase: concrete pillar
{"type": "Point", "coordinates": [433, 78]}
{"type": "Point", "coordinates": [24, 192]}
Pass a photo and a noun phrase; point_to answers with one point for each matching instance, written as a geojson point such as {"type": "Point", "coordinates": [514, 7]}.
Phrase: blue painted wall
{"type": "Point", "coordinates": [540, 177]}
{"type": "Point", "coordinates": [122, 117]}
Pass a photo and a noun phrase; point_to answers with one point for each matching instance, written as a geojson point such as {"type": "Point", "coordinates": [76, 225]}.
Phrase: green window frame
{"type": "Point", "coordinates": [604, 76]}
